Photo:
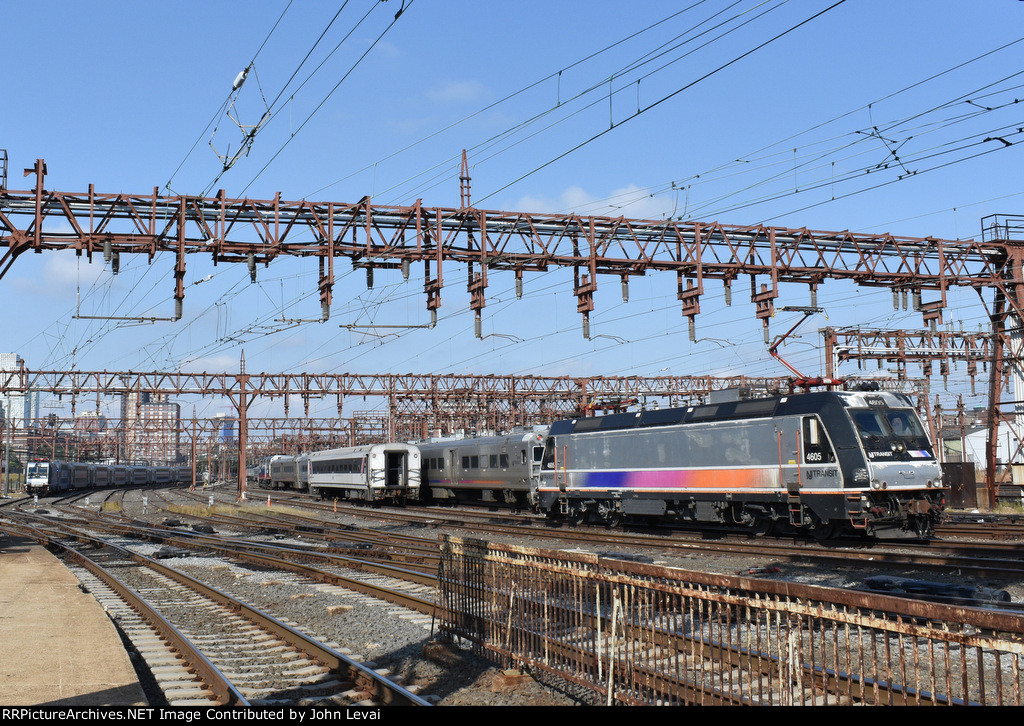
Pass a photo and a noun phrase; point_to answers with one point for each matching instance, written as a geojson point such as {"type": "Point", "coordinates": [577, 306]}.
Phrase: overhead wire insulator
{"type": "Point", "coordinates": [240, 79]}
{"type": "Point", "coordinates": [251, 259]}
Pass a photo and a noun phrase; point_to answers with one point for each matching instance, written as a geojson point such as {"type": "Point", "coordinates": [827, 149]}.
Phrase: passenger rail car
{"type": "Point", "coordinates": [264, 479]}
{"type": "Point", "coordinates": [183, 475]}
{"type": "Point", "coordinates": [502, 469]}
{"type": "Point", "coordinates": [818, 462]}
{"type": "Point", "coordinates": [290, 472]}
{"type": "Point", "coordinates": [372, 473]}
{"type": "Point", "coordinates": [45, 476]}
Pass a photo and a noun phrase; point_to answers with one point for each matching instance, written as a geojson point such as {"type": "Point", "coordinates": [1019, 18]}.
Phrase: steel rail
{"type": "Point", "coordinates": [211, 675]}
{"type": "Point", "coordinates": [993, 562]}
{"type": "Point", "coordinates": [383, 688]}
{"type": "Point", "coordinates": [244, 552]}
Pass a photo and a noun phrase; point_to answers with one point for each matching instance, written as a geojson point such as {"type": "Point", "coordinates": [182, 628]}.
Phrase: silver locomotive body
{"type": "Point", "coordinates": [815, 461]}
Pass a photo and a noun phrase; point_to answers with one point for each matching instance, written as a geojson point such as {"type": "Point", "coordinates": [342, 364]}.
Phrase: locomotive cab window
{"type": "Point", "coordinates": [869, 425]}
{"type": "Point", "coordinates": [817, 449]}
{"type": "Point", "coordinates": [904, 425]}
{"type": "Point", "coordinates": [548, 458]}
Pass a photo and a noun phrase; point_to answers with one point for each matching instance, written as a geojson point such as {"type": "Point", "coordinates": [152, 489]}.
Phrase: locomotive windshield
{"type": "Point", "coordinates": [37, 468]}
{"type": "Point", "coordinates": [895, 430]}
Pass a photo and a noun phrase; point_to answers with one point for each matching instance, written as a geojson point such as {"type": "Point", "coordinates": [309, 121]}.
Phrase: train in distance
{"type": "Point", "coordinates": [48, 476]}
{"type": "Point", "coordinates": [823, 463]}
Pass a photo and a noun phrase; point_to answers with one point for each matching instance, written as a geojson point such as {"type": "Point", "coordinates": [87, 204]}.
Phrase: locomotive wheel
{"type": "Point", "coordinates": [762, 526]}
{"type": "Point", "coordinates": [614, 519]}
{"type": "Point", "coordinates": [822, 531]}
{"type": "Point", "coordinates": [578, 516]}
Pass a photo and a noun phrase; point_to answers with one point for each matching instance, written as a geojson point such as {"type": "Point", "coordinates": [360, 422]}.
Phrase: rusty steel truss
{"type": "Point", "coordinates": [371, 236]}
{"type": "Point", "coordinates": [641, 634]}
{"type": "Point", "coordinates": [926, 347]}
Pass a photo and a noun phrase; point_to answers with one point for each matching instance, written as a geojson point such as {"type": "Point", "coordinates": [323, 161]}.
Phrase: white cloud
{"type": "Point", "coordinates": [64, 274]}
{"type": "Point", "coordinates": [630, 201]}
{"type": "Point", "coordinates": [457, 92]}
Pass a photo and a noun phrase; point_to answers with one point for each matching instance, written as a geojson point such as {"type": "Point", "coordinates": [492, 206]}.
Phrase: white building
{"type": "Point", "coordinates": [19, 407]}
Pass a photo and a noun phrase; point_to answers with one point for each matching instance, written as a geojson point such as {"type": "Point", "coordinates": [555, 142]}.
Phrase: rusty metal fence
{"type": "Point", "coordinates": [644, 634]}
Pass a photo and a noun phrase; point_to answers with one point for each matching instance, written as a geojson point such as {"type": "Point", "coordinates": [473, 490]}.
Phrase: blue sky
{"type": "Point", "coordinates": [126, 96]}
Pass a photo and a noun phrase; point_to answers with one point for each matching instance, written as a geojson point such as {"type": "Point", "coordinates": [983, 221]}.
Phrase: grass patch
{"type": "Point", "coordinates": [199, 510]}
{"type": "Point", "coordinates": [249, 509]}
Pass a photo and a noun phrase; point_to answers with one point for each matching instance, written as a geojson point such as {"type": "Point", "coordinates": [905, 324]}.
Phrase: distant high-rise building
{"type": "Point", "coordinates": [91, 422]}
{"type": "Point", "coordinates": [150, 426]}
{"type": "Point", "coordinates": [225, 427]}
{"type": "Point", "coordinates": [18, 407]}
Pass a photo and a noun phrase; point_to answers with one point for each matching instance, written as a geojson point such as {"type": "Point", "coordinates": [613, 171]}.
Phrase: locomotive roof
{"type": "Point", "coordinates": [796, 403]}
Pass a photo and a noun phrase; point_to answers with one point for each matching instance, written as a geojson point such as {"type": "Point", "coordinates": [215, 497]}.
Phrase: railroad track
{"type": "Point", "coordinates": [817, 682]}
{"type": "Point", "coordinates": [987, 559]}
{"type": "Point", "coordinates": [209, 647]}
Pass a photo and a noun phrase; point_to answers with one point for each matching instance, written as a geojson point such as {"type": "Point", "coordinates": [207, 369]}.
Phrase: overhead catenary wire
{"type": "Point", "coordinates": [227, 101]}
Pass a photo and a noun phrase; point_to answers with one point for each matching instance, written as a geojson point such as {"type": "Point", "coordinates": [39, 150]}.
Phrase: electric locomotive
{"type": "Point", "coordinates": [816, 462]}
{"type": "Point", "coordinates": [47, 477]}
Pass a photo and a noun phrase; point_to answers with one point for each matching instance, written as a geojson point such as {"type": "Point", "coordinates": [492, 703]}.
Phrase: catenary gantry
{"type": "Point", "coordinates": [375, 236]}
{"type": "Point", "coordinates": [372, 236]}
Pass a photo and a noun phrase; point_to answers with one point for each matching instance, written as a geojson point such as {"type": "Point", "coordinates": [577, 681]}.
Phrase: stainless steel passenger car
{"type": "Point", "coordinates": [502, 469]}
{"type": "Point", "coordinates": [290, 472]}
{"type": "Point", "coordinates": [371, 473]}
{"type": "Point", "coordinates": [817, 462]}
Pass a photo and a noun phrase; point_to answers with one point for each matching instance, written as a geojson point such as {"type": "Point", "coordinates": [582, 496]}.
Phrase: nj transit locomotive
{"type": "Point", "coordinates": [818, 462]}
{"type": "Point", "coordinates": [485, 469]}
{"type": "Point", "coordinates": [47, 476]}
